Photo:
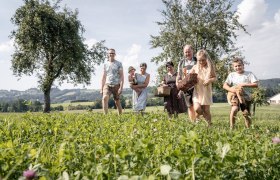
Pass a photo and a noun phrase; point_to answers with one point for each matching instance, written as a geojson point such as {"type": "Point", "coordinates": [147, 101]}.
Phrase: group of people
{"type": "Point", "coordinates": [113, 80]}
{"type": "Point", "coordinates": [196, 100]}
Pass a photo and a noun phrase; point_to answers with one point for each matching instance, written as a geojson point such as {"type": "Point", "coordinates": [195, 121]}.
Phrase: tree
{"type": "Point", "coordinates": [205, 24]}
{"type": "Point", "coordinates": [49, 43]}
{"type": "Point", "coordinates": [34, 106]}
{"type": "Point", "coordinates": [259, 98]}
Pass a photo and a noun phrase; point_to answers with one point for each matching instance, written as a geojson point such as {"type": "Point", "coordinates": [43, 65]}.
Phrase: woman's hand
{"type": "Point", "coordinates": [179, 95]}
{"type": "Point", "coordinates": [206, 82]}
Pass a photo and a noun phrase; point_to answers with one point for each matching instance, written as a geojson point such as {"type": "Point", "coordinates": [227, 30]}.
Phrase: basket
{"type": "Point", "coordinates": [163, 91]}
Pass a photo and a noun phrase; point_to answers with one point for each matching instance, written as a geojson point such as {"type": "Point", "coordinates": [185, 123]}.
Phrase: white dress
{"type": "Point", "coordinates": [202, 94]}
{"type": "Point", "coordinates": [139, 102]}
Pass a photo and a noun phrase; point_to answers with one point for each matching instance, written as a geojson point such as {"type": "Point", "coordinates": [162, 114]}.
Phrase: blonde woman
{"type": "Point", "coordinates": [202, 96]}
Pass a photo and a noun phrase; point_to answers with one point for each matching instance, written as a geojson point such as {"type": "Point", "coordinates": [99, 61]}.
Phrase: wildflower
{"type": "Point", "coordinates": [29, 174]}
{"type": "Point", "coordinates": [165, 169]}
{"type": "Point", "coordinates": [276, 140]}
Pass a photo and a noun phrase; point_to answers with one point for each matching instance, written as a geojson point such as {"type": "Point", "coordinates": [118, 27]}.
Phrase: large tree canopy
{"type": "Point", "coordinates": [49, 43]}
{"type": "Point", "coordinates": [204, 24]}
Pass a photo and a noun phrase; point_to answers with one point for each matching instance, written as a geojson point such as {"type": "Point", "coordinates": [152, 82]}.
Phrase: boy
{"type": "Point", "coordinates": [244, 80]}
{"type": "Point", "coordinates": [132, 79]}
{"type": "Point", "coordinates": [132, 76]}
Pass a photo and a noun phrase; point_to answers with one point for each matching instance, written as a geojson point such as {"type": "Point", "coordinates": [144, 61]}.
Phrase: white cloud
{"type": "Point", "coordinates": [91, 42]}
{"type": "Point", "coordinates": [261, 49]}
{"type": "Point", "coordinates": [277, 17]}
{"type": "Point", "coordinates": [131, 58]}
{"type": "Point", "coordinates": [6, 47]}
{"type": "Point", "coordinates": [251, 13]}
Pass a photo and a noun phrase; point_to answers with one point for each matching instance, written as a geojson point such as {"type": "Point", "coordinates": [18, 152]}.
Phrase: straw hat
{"type": "Point", "coordinates": [131, 68]}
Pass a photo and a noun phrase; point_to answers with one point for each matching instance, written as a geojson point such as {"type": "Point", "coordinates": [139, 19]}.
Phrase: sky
{"type": "Point", "coordinates": [126, 25]}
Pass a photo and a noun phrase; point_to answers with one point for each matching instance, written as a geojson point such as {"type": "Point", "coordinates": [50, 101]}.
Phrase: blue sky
{"type": "Point", "coordinates": [126, 25]}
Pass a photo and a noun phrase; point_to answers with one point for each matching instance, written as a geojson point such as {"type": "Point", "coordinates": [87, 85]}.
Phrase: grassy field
{"type": "Point", "coordinates": [90, 145]}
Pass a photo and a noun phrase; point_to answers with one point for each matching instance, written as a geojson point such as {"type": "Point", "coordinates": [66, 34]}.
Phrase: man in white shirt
{"type": "Point", "coordinates": [112, 81]}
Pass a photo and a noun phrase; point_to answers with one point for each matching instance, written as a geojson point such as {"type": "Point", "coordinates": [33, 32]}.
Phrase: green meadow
{"type": "Point", "coordinates": [89, 145]}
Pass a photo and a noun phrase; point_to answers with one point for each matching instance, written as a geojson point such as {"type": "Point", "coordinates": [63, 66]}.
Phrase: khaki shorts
{"type": "Point", "coordinates": [245, 108]}
{"type": "Point", "coordinates": [111, 89]}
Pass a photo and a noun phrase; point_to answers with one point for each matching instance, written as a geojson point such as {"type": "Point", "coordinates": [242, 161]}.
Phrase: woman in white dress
{"type": "Point", "coordinates": [202, 96]}
{"type": "Point", "coordinates": [139, 100]}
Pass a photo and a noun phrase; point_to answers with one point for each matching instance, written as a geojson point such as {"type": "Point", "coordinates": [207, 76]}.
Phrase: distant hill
{"type": "Point", "coordinates": [68, 95]}
{"type": "Point", "coordinates": [57, 95]}
{"type": "Point", "coordinates": [270, 83]}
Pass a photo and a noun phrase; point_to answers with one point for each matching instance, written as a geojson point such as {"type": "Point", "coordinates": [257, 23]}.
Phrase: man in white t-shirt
{"type": "Point", "coordinates": [112, 81]}
{"type": "Point", "coordinates": [244, 80]}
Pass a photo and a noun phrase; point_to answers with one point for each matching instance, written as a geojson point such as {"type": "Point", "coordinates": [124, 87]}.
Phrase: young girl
{"type": "Point", "coordinates": [202, 96]}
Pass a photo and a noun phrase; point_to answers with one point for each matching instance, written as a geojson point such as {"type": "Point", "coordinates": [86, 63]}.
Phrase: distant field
{"type": "Point", "coordinates": [72, 104]}
{"type": "Point", "coordinates": [220, 107]}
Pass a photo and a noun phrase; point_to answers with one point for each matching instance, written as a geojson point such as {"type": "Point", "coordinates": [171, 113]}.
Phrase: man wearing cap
{"type": "Point", "coordinates": [112, 81]}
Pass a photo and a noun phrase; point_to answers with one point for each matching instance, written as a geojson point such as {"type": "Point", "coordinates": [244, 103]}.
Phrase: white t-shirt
{"type": "Point", "coordinates": [235, 78]}
{"type": "Point", "coordinates": [112, 70]}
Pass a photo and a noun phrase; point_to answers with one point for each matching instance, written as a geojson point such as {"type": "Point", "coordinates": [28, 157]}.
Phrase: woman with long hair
{"type": "Point", "coordinates": [202, 96]}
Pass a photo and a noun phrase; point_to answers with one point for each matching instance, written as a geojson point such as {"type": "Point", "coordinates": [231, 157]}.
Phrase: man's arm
{"type": "Point", "coordinates": [103, 79]}
{"type": "Point", "coordinates": [121, 80]}
{"type": "Point", "coordinates": [179, 74]}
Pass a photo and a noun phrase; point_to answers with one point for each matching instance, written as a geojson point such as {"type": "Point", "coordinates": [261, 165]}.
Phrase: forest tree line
{"type": "Point", "coordinates": [27, 103]}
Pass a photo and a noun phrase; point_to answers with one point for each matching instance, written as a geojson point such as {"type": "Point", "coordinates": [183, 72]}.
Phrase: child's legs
{"type": "Point", "coordinates": [197, 108]}
{"type": "Point", "coordinates": [191, 113]}
{"type": "Point", "coordinates": [232, 116]}
{"type": "Point", "coordinates": [247, 114]}
{"type": "Point", "coordinates": [206, 113]}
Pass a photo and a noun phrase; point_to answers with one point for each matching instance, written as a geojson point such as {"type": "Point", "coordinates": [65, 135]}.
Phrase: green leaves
{"type": "Point", "coordinates": [95, 146]}
{"type": "Point", "coordinates": [205, 24]}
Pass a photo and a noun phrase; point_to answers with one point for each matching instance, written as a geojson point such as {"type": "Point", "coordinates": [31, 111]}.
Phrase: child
{"type": "Point", "coordinates": [237, 81]}
{"type": "Point", "coordinates": [132, 79]}
{"type": "Point", "coordinates": [132, 76]}
{"type": "Point", "coordinates": [202, 95]}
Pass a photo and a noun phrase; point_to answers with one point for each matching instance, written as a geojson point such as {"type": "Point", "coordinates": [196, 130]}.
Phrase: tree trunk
{"type": "Point", "coordinates": [254, 108]}
{"type": "Point", "coordinates": [47, 100]}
